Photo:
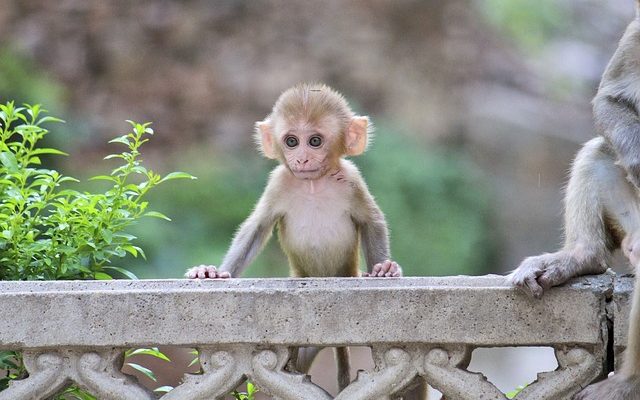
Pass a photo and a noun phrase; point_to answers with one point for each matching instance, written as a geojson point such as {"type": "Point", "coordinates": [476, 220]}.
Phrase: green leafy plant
{"type": "Point", "coordinates": [512, 394]}
{"type": "Point", "coordinates": [250, 394]}
{"type": "Point", "coordinates": [49, 231]}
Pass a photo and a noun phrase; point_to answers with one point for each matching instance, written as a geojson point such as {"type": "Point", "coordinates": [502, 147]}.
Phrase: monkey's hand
{"type": "Point", "coordinates": [385, 269]}
{"type": "Point", "coordinates": [616, 387]}
{"type": "Point", "coordinates": [205, 271]}
{"type": "Point", "coordinates": [539, 273]}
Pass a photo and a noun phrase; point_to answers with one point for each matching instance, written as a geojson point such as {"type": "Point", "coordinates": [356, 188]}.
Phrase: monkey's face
{"type": "Point", "coordinates": [308, 151]}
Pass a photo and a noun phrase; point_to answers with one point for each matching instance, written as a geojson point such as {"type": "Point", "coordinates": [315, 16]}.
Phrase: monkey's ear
{"type": "Point", "coordinates": [264, 137]}
{"type": "Point", "coordinates": [356, 140]}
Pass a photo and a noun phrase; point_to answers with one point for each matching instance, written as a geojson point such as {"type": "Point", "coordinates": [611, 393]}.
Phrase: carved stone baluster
{"type": "Point", "coordinates": [443, 370]}
{"type": "Point", "coordinates": [99, 374]}
{"type": "Point", "coordinates": [223, 370]}
{"type": "Point", "coordinates": [394, 371]}
{"type": "Point", "coordinates": [577, 368]}
{"type": "Point", "coordinates": [269, 375]}
{"type": "Point", "coordinates": [47, 376]}
{"type": "Point", "coordinates": [96, 372]}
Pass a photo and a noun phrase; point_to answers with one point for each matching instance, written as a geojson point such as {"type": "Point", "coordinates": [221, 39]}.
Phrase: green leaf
{"type": "Point", "coordinates": [515, 392]}
{"type": "Point", "coordinates": [121, 139]}
{"type": "Point", "coordinates": [177, 175]}
{"type": "Point", "coordinates": [48, 151]}
{"type": "Point", "coordinates": [163, 389]}
{"type": "Point", "coordinates": [9, 161]}
{"type": "Point", "coordinates": [49, 119]}
{"type": "Point", "coordinates": [68, 179]}
{"type": "Point", "coordinates": [154, 352]}
{"type": "Point", "coordinates": [251, 389]}
{"type": "Point", "coordinates": [196, 358]}
{"type": "Point", "coordinates": [107, 235]}
{"type": "Point", "coordinates": [156, 214]}
{"type": "Point", "coordinates": [103, 178]}
{"type": "Point", "coordinates": [125, 236]}
{"type": "Point", "coordinates": [123, 271]}
{"type": "Point", "coordinates": [101, 276]}
{"type": "Point", "coordinates": [146, 371]}
{"type": "Point", "coordinates": [110, 156]}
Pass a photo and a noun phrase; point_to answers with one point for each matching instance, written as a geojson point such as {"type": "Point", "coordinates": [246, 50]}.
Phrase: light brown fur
{"type": "Point", "coordinates": [318, 200]}
{"type": "Point", "coordinates": [602, 205]}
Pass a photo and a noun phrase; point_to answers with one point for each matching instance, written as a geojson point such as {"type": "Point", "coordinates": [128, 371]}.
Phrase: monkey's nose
{"type": "Point", "coordinates": [302, 162]}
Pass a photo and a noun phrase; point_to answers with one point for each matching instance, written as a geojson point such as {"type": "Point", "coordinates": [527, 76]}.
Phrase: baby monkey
{"type": "Point", "coordinates": [316, 198]}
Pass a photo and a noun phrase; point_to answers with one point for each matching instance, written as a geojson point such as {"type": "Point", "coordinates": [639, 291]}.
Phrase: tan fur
{"type": "Point", "coordinates": [602, 206]}
{"type": "Point", "coordinates": [319, 202]}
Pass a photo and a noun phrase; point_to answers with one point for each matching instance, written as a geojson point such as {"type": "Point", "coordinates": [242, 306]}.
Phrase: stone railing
{"type": "Point", "coordinates": [245, 328]}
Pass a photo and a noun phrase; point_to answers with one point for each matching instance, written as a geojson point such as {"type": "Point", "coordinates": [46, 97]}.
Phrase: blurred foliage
{"type": "Point", "coordinates": [22, 82]}
{"type": "Point", "coordinates": [529, 23]}
{"type": "Point", "coordinates": [49, 231]}
{"type": "Point", "coordinates": [437, 206]}
{"type": "Point", "coordinates": [436, 202]}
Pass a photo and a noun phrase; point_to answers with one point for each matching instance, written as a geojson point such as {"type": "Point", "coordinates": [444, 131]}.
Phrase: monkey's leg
{"type": "Point", "coordinates": [598, 196]}
{"type": "Point", "coordinates": [625, 383]}
{"type": "Point", "coordinates": [344, 367]}
{"type": "Point", "coordinates": [306, 355]}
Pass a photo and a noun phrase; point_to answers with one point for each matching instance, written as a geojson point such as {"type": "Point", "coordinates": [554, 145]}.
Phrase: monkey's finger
{"type": "Point", "coordinates": [211, 271]}
{"type": "Point", "coordinates": [384, 268]}
{"type": "Point", "coordinates": [224, 274]}
{"type": "Point", "coordinates": [201, 273]}
{"type": "Point", "coordinates": [376, 268]}
{"type": "Point", "coordinates": [534, 289]}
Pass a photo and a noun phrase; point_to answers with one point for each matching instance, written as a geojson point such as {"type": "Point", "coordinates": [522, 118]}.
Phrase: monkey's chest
{"type": "Point", "coordinates": [319, 237]}
{"type": "Point", "coordinates": [317, 227]}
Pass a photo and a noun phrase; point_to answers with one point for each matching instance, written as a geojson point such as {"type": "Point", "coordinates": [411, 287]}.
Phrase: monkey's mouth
{"type": "Point", "coordinates": [307, 173]}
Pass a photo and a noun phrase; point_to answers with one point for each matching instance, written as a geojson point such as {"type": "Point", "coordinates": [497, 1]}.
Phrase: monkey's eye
{"type": "Point", "coordinates": [291, 141]}
{"type": "Point", "coordinates": [315, 141]}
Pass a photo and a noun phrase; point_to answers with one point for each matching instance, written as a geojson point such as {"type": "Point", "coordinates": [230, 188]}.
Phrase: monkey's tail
{"type": "Point", "coordinates": [342, 361]}
{"type": "Point", "coordinates": [631, 365]}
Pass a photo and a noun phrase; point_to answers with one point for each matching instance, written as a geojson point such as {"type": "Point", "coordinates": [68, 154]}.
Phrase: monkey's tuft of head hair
{"type": "Point", "coordinates": [312, 102]}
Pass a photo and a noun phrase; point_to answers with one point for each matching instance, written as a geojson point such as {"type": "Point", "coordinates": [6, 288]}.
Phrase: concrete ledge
{"type": "Point", "coordinates": [620, 308]}
{"type": "Point", "coordinates": [483, 311]}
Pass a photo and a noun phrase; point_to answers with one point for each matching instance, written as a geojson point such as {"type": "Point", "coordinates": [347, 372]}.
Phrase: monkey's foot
{"type": "Point", "coordinates": [205, 271]}
{"type": "Point", "coordinates": [616, 387]}
{"type": "Point", "coordinates": [385, 269]}
{"type": "Point", "coordinates": [539, 273]}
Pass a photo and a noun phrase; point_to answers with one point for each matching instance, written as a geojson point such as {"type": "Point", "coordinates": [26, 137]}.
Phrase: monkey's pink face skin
{"type": "Point", "coordinates": [306, 153]}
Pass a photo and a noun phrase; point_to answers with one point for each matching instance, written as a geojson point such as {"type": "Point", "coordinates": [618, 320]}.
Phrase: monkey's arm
{"type": "Point", "coordinates": [617, 119]}
{"type": "Point", "coordinates": [374, 234]}
{"type": "Point", "coordinates": [250, 239]}
{"type": "Point", "coordinates": [375, 238]}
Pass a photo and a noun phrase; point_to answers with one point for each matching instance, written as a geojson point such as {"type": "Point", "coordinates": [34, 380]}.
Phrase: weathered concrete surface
{"type": "Point", "coordinates": [484, 311]}
{"type": "Point", "coordinates": [619, 312]}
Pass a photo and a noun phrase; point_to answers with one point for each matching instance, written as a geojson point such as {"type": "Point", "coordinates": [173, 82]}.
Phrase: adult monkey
{"type": "Point", "coordinates": [602, 206]}
{"type": "Point", "coordinates": [317, 199]}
